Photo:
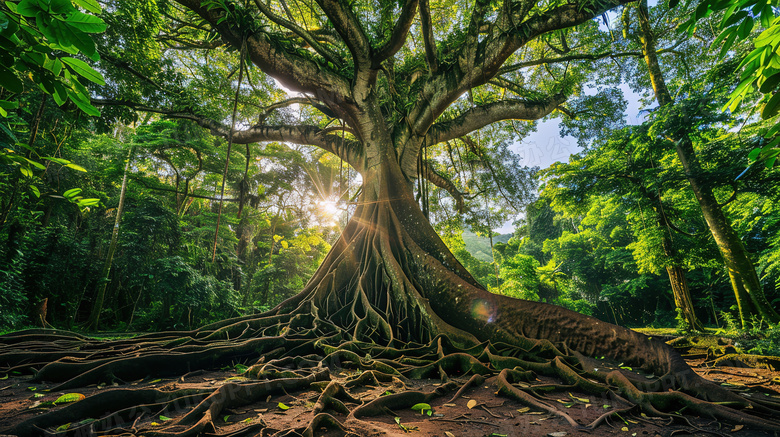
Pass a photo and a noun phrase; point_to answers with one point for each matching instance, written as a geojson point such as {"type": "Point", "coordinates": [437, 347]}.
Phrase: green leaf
{"type": "Point", "coordinates": [35, 191]}
{"type": "Point", "coordinates": [767, 16]}
{"type": "Point", "coordinates": [27, 8]}
{"type": "Point", "coordinates": [73, 192]}
{"type": "Point", "coordinates": [727, 45]}
{"type": "Point", "coordinates": [5, 377]}
{"type": "Point", "coordinates": [69, 397]}
{"type": "Point", "coordinates": [164, 418]}
{"type": "Point", "coordinates": [76, 167]}
{"type": "Point", "coordinates": [5, 104]}
{"type": "Point", "coordinates": [63, 427]}
{"type": "Point", "coordinates": [225, 419]}
{"type": "Point", "coordinates": [282, 406]}
{"type": "Point", "coordinates": [772, 107]}
{"type": "Point", "coordinates": [69, 35]}
{"type": "Point", "coordinates": [421, 407]}
{"type": "Point", "coordinates": [89, 5]}
{"type": "Point", "coordinates": [86, 22]}
{"type": "Point", "coordinates": [84, 70]}
{"type": "Point", "coordinates": [83, 104]}
{"type": "Point", "coordinates": [745, 28]}
{"type": "Point", "coordinates": [61, 6]}
{"type": "Point", "coordinates": [27, 172]}
{"type": "Point", "coordinates": [9, 80]}
{"type": "Point", "coordinates": [770, 83]}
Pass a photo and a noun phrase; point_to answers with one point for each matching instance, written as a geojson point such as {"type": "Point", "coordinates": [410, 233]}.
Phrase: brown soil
{"type": "Point", "coordinates": [490, 415]}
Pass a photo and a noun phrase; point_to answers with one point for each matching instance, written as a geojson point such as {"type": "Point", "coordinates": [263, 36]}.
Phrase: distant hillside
{"type": "Point", "coordinates": [480, 246]}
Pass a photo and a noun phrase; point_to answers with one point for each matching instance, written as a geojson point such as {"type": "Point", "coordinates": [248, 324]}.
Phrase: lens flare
{"type": "Point", "coordinates": [483, 310]}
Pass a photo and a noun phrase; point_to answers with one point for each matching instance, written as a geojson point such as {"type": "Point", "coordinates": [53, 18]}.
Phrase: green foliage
{"type": "Point", "coordinates": [34, 35]}
{"type": "Point", "coordinates": [760, 67]}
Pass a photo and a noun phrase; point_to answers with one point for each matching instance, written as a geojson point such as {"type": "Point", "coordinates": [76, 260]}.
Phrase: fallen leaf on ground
{"type": "Point", "coordinates": [471, 404]}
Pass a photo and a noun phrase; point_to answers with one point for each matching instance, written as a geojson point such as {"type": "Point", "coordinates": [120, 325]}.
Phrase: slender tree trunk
{"type": "Point", "coordinates": [97, 307]}
{"type": "Point", "coordinates": [747, 288]}
{"type": "Point", "coordinates": [677, 278]}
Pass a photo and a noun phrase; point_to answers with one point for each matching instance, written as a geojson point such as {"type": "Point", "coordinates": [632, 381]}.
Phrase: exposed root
{"type": "Point", "coordinates": [390, 304]}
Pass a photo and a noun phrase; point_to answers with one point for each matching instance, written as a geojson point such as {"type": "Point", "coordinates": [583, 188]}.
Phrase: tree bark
{"type": "Point", "coordinates": [97, 307]}
{"type": "Point", "coordinates": [751, 300]}
{"type": "Point", "coordinates": [677, 278]}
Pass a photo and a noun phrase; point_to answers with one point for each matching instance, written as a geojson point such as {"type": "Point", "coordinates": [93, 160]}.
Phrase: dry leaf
{"type": "Point", "coordinates": [472, 403]}
{"type": "Point", "coordinates": [737, 428]}
{"type": "Point", "coordinates": [625, 428]}
{"type": "Point", "coordinates": [449, 434]}
{"type": "Point", "coordinates": [450, 405]}
{"type": "Point", "coordinates": [557, 434]}
{"type": "Point", "coordinates": [524, 410]}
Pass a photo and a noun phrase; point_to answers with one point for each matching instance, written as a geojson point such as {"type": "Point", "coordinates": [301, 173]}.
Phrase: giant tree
{"type": "Point", "coordinates": [390, 298]}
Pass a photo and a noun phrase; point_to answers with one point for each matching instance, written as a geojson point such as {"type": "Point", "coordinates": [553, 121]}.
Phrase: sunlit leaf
{"type": "Point", "coordinates": [69, 397]}
{"type": "Point", "coordinates": [84, 70]}
{"type": "Point", "coordinates": [73, 192]}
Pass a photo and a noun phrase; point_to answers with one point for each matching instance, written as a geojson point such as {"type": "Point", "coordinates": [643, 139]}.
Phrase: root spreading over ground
{"type": "Point", "coordinates": [390, 305]}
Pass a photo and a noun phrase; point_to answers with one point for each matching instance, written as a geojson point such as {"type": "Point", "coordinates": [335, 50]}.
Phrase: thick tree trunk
{"type": "Point", "coordinates": [747, 288]}
{"type": "Point", "coordinates": [390, 278]}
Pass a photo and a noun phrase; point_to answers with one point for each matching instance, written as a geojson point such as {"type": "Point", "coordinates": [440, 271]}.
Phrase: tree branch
{"type": "Point", "coordinates": [171, 190]}
{"type": "Point", "coordinates": [444, 183]}
{"type": "Point", "coordinates": [349, 28]}
{"type": "Point", "coordinates": [481, 116]}
{"type": "Point", "coordinates": [478, 150]}
{"type": "Point", "coordinates": [347, 149]}
{"type": "Point", "coordinates": [298, 30]}
{"type": "Point", "coordinates": [431, 53]}
{"type": "Point", "coordinates": [568, 58]}
{"type": "Point", "coordinates": [398, 36]}
{"type": "Point", "coordinates": [295, 72]}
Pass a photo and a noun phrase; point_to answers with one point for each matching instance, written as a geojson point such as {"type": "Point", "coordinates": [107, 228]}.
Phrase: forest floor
{"type": "Point", "coordinates": [478, 412]}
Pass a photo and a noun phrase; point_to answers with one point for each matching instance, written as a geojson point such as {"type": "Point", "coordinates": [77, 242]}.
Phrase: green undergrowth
{"type": "Point", "coordinates": [762, 339]}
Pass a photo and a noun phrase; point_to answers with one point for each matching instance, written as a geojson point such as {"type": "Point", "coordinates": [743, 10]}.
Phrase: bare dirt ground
{"type": "Point", "coordinates": [478, 412]}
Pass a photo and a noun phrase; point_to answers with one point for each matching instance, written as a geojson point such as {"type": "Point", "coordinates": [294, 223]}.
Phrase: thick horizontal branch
{"type": "Point", "coordinates": [295, 72]}
{"type": "Point", "coordinates": [481, 116]}
{"type": "Point", "coordinates": [345, 148]}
